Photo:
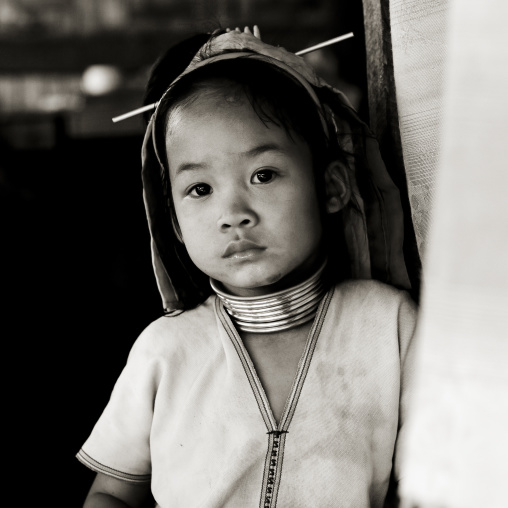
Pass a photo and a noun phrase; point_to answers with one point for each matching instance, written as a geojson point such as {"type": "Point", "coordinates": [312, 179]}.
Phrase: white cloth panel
{"type": "Point", "coordinates": [457, 441]}
{"type": "Point", "coordinates": [418, 43]}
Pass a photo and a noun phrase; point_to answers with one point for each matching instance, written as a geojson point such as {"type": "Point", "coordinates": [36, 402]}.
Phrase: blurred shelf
{"type": "Point", "coordinates": [129, 51]}
{"type": "Point", "coordinates": [94, 120]}
{"type": "Point", "coordinates": [46, 130]}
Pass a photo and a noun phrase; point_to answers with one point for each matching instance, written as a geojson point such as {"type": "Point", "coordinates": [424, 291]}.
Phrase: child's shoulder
{"type": "Point", "coordinates": [374, 294]}
{"type": "Point", "coordinates": [376, 310]}
{"type": "Point", "coordinates": [370, 286]}
{"type": "Point", "coordinates": [181, 332]}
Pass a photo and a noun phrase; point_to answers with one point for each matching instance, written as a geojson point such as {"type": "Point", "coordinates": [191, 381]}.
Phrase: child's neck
{"type": "Point", "coordinates": [277, 311]}
{"type": "Point", "coordinates": [276, 357]}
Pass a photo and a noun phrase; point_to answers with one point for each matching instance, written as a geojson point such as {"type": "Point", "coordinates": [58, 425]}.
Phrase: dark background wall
{"type": "Point", "coordinates": [77, 283]}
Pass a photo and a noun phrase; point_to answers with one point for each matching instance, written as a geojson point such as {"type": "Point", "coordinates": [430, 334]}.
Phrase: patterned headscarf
{"type": "Point", "coordinates": [372, 222]}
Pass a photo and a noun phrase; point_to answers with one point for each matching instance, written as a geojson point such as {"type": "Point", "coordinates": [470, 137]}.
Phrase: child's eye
{"type": "Point", "coordinates": [263, 176]}
{"type": "Point", "coordinates": [199, 190]}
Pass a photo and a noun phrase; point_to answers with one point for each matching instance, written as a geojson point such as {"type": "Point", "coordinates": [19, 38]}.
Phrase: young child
{"type": "Point", "coordinates": [280, 374]}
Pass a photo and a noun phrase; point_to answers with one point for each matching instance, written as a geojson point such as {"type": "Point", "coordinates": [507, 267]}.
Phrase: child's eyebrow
{"type": "Point", "coordinates": [252, 153]}
{"type": "Point", "coordinates": [261, 149]}
{"type": "Point", "coordinates": [188, 166]}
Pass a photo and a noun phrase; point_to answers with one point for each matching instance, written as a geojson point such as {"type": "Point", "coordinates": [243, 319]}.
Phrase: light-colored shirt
{"type": "Point", "coordinates": [189, 413]}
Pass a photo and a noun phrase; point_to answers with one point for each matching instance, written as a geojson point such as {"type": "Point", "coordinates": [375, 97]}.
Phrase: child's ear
{"type": "Point", "coordinates": [338, 190]}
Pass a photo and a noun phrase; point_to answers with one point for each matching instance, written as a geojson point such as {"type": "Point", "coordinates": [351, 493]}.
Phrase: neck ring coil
{"type": "Point", "coordinates": [275, 312]}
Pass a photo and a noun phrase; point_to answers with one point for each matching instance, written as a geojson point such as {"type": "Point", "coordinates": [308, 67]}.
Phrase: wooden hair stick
{"type": "Point", "coordinates": [324, 44]}
{"type": "Point", "coordinates": [329, 42]}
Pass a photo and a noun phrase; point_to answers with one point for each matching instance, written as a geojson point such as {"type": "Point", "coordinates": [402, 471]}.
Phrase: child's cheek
{"type": "Point", "coordinates": [198, 229]}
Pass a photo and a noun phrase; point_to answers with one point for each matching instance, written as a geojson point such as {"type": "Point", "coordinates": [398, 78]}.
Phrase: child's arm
{"type": "Point", "coordinates": [108, 492]}
{"type": "Point", "coordinates": [408, 313]}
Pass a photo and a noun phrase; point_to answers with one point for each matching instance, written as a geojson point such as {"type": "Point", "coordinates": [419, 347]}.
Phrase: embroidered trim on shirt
{"type": "Point", "coordinates": [273, 468]}
{"type": "Point", "coordinates": [261, 401]}
{"type": "Point", "coordinates": [91, 463]}
{"type": "Point", "coordinates": [291, 403]}
{"type": "Point", "coordinates": [276, 434]}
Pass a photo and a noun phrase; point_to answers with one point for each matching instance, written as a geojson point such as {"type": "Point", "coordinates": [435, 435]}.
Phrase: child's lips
{"type": "Point", "coordinates": [241, 248]}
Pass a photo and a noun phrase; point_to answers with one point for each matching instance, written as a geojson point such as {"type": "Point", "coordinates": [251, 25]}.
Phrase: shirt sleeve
{"type": "Point", "coordinates": [119, 445]}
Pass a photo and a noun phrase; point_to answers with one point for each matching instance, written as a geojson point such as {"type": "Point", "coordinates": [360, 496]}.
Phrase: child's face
{"type": "Point", "coordinates": [244, 196]}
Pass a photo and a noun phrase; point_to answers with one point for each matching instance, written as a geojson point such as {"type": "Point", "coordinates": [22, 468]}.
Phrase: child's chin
{"type": "Point", "coordinates": [252, 283]}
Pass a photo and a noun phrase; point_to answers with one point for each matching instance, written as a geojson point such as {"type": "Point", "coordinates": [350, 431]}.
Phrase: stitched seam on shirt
{"type": "Point", "coordinates": [279, 470]}
{"type": "Point", "coordinates": [315, 332]}
{"type": "Point", "coordinates": [265, 413]}
{"type": "Point", "coordinates": [265, 471]}
{"type": "Point", "coordinates": [97, 466]}
{"type": "Point", "coordinates": [281, 439]}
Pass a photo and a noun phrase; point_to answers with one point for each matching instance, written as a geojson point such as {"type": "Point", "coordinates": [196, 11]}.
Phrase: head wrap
{"type": "Point", "coordinates": [372, 225]}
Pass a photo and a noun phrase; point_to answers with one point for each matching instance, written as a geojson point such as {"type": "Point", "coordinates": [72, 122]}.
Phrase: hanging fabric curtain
{"type": "Point", "coordinates": [384, 112]}
{"type": "Point", "coordinates": [449, 78]}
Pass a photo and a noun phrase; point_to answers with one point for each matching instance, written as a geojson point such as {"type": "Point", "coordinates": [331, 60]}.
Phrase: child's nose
{"type": "Point", "coordinates": [236, 214]}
